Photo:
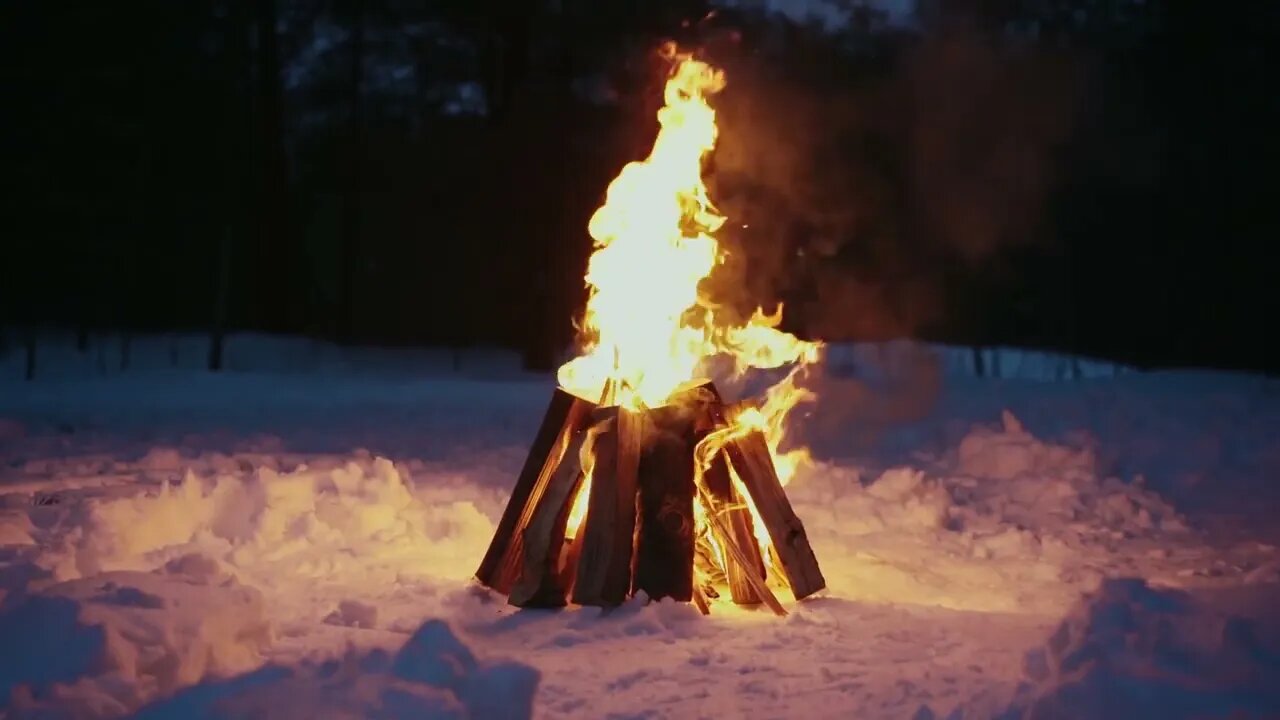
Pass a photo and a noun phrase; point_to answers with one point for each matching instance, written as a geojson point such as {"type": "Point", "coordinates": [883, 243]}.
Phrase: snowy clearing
{"type": "Point", "coordinates": [1070, 540]}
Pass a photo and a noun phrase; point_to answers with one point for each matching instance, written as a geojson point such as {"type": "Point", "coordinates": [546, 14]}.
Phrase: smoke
{"type": "Point", "coordinates": [870, 198]}
{"type": "Point", "coordinates": [983, 126]}
{"type": "Point", "coordinates": [866, 196]}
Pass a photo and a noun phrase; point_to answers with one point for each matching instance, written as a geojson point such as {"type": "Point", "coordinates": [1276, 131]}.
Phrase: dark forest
{"type": "Point", "coordinates": [1094, 176]}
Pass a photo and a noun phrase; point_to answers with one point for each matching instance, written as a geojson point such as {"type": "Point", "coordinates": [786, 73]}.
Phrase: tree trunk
{"type": "Point", "coordinates": [350, 227]}
{"type": "Point", "coordinates": [274, 281]}
{"type": "Point", "coordinates": [217, 334]}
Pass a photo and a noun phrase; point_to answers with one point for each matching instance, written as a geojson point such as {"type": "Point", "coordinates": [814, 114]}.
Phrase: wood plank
{"type": "Point", "coordinates": [750, 456]}
{"type": "Point", "coordinates": [538, 584]}
{"type": "Point", "coordinates": [568, 565]}
{"type": "Point", "coordinates": [565, 412]}
{"type": "Point", "coordinates": [604, 565]}
{"type": "Point", "coordinates": [665, 543]}
{"type": "Point", "coordinates": [737, 521]}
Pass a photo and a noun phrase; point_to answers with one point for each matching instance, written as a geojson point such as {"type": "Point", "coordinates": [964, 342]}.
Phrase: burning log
{"type": "Point", "coordinates": [541, 541]}
{"type": "Point", "coordinates": [565, 415]}
{"type": "Point", "coordinates": [634, 528]}
{"type": "Point", "coordinates": [608, 530]}
{"type": "Point", "coordinates": [790, 545]}
{"type": "Point", "coordinates": [664, 550]}
{"type": "Point", "coordinates": [741, 531]}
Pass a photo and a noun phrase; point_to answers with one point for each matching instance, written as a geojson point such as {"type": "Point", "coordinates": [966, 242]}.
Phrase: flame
{"type": "Point", "coordinates": [587, 460]}
{"type": "Point", "coordinates": [769, 419]}
{"type": "Point", "coordinates": [647, 326]}
{"type": "Point", "coordinates": [578, 511]}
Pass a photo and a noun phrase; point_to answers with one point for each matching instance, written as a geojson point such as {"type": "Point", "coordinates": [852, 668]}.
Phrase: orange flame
{"type": "Point", "coordinates": [587, 460]}
{"type": "Point", "coordinates": [649, 329]}
{"type": "Point", "coordinates": [649, 326]}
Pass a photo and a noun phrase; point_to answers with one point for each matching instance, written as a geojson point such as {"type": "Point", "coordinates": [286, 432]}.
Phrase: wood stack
{"type": "Point", "coordinates": [639, 532]}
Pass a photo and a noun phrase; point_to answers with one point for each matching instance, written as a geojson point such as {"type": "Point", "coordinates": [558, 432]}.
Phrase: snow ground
{"type": "Point", "coordinates": [295, 538]}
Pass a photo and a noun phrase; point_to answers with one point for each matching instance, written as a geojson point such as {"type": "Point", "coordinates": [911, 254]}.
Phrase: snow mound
{"type": "Point", "coordinates": [1010, 453]}
{"type": "Point", "coordinates": [103, 645]}
{"type": "Point", "coordinates": [1007, 476]}
{"type": "Point", "coordinates": [1133, 651]}
{"type": "Point", "coordinates": [362, 521]}
{"type": "Point", "coordinates": [432, 677]}
{"type": "Point", "coordinates": [191, 641]}
{"type": "Point", "coordinates": [1003, 521]}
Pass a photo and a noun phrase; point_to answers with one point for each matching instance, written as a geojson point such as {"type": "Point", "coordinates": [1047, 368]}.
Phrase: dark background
{"type": "Point", "coordinates": [1097, 176]}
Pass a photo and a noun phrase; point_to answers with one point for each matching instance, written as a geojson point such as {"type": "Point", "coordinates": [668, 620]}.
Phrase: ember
{"type": "Point", "coordinates": [641, 477]}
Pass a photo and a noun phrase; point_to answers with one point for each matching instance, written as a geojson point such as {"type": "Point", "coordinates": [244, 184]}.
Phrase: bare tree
{"type": "Point", "coordinates": [275, 280]}
{"type": "Point", "coordinates": [353, 189]}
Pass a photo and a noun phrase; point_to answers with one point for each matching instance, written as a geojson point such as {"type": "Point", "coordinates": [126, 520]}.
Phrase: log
{"type": "Point", "coordinates": [539, 584]}
{"type": "Point", "coordinates": [565, 413]}
{"type": "Point", "coordinates": [572, 547]}
{"type": "Point", "coordinates": [608, 532]}
{"type": "Point", "coordinates": [665, 543]}
{"type": "Point", "coordinates": [736, 518]}
{"type": "Point", "coordinates": [750, 456]}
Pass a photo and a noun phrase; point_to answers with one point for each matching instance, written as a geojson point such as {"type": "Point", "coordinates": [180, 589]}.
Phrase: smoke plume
{"type": "Point", "coordinates": [866, 197]}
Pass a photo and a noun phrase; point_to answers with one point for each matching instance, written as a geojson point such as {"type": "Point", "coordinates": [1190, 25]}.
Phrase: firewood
{"type": "Point", "coordinates": [750, 456]}
{"type": "Point", "coordinates": [608, 532]}
{"type": "Point", "coordinates": [735, 553]}
{"type": "Point", "coordinates": [737, 520]}
{"type": "Point", "coordinates": [664, 548]}
{"type": "Point", "coordinates": [639, 532]}
{"type": "Point", "coordinates": [564, 415]}
{"type": "Point", "coordinates": [538, 583]}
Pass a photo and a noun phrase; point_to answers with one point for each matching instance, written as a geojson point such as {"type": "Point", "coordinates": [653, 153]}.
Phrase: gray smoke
{"type": "Point", "coordinates": [860, 199]}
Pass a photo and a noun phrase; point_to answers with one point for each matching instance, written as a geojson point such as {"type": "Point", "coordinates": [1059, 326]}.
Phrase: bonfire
{"type": "Point", "coordinates": [642, 478]}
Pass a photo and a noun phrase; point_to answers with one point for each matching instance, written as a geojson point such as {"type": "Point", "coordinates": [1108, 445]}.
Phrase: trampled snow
{"type": "Point", "coordinates": [297, 538]}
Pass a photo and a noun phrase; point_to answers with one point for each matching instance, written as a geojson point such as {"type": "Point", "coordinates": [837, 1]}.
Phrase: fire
{"type": "Point", "coordinates": [648, 326]}
{"type": "Point", "coordinates": [587, 458]}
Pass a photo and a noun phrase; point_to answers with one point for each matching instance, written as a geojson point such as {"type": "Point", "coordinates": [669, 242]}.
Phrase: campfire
{"type": "Point", "coordinates": [642, 478]}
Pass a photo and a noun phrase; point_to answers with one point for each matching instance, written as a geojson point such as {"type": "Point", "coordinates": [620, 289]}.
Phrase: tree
{"type": "Point", "coordinates": [276, 263]}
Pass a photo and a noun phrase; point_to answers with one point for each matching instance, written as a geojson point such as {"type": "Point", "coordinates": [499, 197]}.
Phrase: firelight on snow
{"type": "Point", "coordinates": [642, 478]}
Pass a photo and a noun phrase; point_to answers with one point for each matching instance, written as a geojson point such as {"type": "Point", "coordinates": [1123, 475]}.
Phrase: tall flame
{"type": "Point", "coordinates": [649, 328]}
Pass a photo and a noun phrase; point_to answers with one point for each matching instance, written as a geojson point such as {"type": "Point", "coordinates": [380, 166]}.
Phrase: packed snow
{"type": "Point", "coordinates": [296, 537]}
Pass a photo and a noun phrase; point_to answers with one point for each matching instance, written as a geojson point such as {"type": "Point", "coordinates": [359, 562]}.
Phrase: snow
{"type": "Point", "coordinates": [296, 538]}
{"type": "Point", "coordinates": [1129, 650]}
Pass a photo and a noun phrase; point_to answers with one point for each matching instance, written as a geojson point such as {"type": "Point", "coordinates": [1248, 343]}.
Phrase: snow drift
{"type": "Point", "coordinates": [1130, 651]}
{"type": "Point", "coordinates": [183, 544]}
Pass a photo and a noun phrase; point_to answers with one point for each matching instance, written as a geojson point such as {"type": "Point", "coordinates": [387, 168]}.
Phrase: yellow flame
{"type": "Point", "coordinates": [648, 327]}
{"type": "Point", "coordinates": [587, 460]}
{"type": "Point", "coordinates": [578, 512]}
{"type": "Point", "coordinates": [770, 419]}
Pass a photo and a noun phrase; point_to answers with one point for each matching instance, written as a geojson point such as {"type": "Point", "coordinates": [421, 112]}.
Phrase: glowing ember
{"type": "Point", "coordinates": [649, 329]}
